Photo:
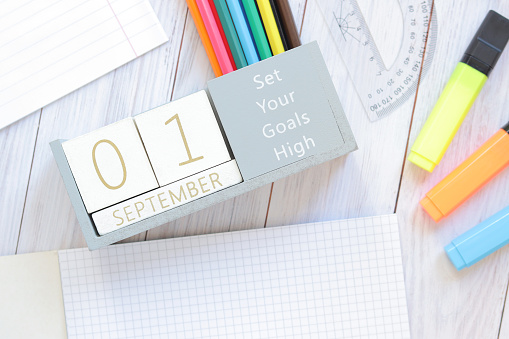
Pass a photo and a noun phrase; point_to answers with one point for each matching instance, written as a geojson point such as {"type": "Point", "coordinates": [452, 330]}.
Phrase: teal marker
{"type": "Point", "coordinates": [480, 241]}
{"type": "Point", "coordinates": [230, 33]}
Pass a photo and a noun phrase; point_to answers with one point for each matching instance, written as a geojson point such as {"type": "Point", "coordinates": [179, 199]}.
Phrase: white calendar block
{"type": "Point", "coordinates": [109, 165]}
{"type": "Point", "coordinates": [182, 138]}
{"type": "Point", "coordinates": [167, 197]}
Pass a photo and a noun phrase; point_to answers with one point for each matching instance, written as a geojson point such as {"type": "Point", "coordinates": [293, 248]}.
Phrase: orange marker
{"type": "Point", "coordinates": [200, 26]}
{"type": "Point", "coordinates": [469, 177]}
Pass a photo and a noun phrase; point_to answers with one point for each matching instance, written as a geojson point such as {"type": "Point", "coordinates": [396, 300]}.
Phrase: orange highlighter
{"type": "Point", "coordinates": [469, 177]}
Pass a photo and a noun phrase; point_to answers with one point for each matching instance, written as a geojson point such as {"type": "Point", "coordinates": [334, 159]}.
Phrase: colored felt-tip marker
{"type": "Point", "coordinates": [243, 31]}
{"type": "Point", "coordinates": [271, 26]}
{"type": "Point", "coordinates": [215, 36]}
{"type": "Point", "coordinates": [230, 32]}
{"type": "Point", "coordinates": [278, 24]}
{"type": "Point", "coordinates": [480, 241]}
{"type": "Point", "coordinates": [204, 36]}
{"type": "Point", "coordinates": [221, 29]}
{"type": "Point", "coordinates": [460, 92]}
{"type": "Point", "coordinates": [288, 23]}
{"type": "Point", "coordinates": [255, 22]}
{"type": "Point", "coordinates": [469, 177]}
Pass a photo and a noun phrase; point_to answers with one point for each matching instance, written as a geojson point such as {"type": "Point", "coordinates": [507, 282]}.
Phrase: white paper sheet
{"type": "Point", "coordinates": [338, 279]}
{"type": "Point", "coordinates": [49, 48]}
{"type": "Point", "coordinates": [31, 304]}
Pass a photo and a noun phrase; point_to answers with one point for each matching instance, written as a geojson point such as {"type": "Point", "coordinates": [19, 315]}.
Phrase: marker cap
{"type": "Point", "coordinates": [506, 127]}
{"type": "Point", "coordinates": [431, 209]}
{"type": "Point", "coordinates": [480, 241]}
{"type": "Point", "coordinates": [469, 177]}
{"type": "Point", "coordinates": [488, 43]}
{"type": "Point", "coordinates": [455, 257]}
{"type": "Point", "coordinates": [421, 161]}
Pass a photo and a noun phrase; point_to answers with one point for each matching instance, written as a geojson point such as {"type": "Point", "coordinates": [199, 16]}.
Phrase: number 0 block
{"type": "Point", "coordinates": [182, 138]}
{"type": "Point", "coordinates": [109, 165]}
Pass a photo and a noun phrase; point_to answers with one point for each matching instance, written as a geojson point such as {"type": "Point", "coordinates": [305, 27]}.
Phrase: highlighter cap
{"type": "Point", "coordinates": [432, 209]}
{"type": "Point", "coordinates": [455, 257]}
{"type": "Point", "coordinates": [488, 43]}
{"type": "Point", "coordinates": [506, 127]}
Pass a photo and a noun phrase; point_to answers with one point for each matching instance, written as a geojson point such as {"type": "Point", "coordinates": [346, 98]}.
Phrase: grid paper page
{"type": "Point", "coordinates": [49, 48]}
{"type": "Point", "coordinates": [338, 279]}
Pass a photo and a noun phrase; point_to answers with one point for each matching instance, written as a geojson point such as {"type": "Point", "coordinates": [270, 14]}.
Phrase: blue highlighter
{"type": "Point", "coordinates": [480, 241]}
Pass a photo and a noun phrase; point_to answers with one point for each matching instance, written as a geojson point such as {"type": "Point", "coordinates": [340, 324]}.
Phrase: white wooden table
{"type": "Point", "coordinates": [36, 214]}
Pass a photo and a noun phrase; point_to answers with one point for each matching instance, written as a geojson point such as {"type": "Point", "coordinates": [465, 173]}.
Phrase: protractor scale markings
{"type": "Point", "coordinates": [382, 90]}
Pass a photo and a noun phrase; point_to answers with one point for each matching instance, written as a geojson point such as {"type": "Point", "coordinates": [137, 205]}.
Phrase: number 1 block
{"type": "Point", "coordinates": [109, 165]}
{"type": "Point", "coordinates": [182, 138]}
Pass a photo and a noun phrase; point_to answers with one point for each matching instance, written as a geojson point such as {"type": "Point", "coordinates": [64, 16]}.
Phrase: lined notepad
{"type": "Point", "coordinates": [49, 48]}
{"type": "Point", "coordinates": [338, 279]}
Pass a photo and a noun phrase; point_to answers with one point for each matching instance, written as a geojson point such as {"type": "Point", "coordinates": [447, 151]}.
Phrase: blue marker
{"type": "Point", "coordinates": [240, 22]}
{"type": "Point", "coordinates": [480, 241]}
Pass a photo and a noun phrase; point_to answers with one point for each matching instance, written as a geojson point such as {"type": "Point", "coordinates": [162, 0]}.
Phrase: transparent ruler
{"type": "Point", "coordinates": [380, 89]}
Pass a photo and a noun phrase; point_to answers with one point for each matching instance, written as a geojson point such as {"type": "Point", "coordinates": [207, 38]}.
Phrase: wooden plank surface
{"type": "Point", "coordinates": [36, 213]}
{"type": "Point", "coordinates": [17, 143]}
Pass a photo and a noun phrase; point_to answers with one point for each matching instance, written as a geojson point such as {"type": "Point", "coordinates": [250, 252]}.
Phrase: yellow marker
{"type": "Point", "coordinates": [269, 22]}
{"type": "Point", "coordinates": [460, 92]}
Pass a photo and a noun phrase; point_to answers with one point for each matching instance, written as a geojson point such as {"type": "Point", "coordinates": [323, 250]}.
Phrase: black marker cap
{"type": "Point", "coordinates": [488, 43]}
{"type": "Point", "coordinates": [506, 127]}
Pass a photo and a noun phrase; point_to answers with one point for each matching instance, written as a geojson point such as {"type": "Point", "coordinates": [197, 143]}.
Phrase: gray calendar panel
{"type": "Point", "coordinates": [276, 112]}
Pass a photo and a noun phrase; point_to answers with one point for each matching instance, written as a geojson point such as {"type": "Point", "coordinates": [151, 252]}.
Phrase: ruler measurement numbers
{"type": "Point", "coordinates": [381, 89]}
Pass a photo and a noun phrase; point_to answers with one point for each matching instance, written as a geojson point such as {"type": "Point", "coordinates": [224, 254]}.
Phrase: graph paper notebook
{"type": "Point", "coordinates": [49, 48]}
{"type": "Point", "coordinates": [337, 279]}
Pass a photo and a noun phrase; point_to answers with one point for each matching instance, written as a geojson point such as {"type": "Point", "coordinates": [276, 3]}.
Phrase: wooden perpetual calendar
{"type": "Point", "coordinates": [240, 134]}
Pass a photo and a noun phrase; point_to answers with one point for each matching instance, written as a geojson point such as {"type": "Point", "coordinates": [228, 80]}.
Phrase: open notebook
{"type": "Point", "coordinates": [49, 48]}
{"type": "Point", "coordinates": [337, 279]}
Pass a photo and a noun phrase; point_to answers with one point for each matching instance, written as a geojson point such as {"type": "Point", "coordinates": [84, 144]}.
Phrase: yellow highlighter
{"type": "Point", "coordinates": [269, 22]}
{"type": "Point", "coordinates": [460, 92]}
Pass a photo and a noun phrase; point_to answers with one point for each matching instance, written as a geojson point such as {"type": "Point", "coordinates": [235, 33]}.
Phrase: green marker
{"type": "Point", "coordinates": [257, 29]}
{"type": "Point", "coordinates": [230, 33]}
{"type": "Point", "coordinates": [460, 92]}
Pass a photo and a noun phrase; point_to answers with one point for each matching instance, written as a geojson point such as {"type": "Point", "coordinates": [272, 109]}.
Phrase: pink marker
{"type": "Point", "coordinates": [215, 36]}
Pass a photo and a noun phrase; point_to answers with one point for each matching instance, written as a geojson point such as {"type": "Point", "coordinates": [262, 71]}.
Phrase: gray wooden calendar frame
{"type": "Point", "coordinates": [95, 241]}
